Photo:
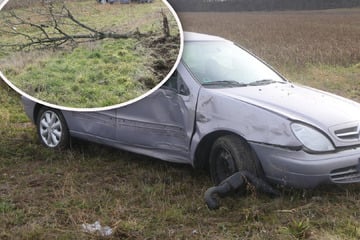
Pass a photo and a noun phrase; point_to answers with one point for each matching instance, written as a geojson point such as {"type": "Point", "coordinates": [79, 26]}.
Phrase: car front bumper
{"type": "Point", "coordinates": [304, 170]}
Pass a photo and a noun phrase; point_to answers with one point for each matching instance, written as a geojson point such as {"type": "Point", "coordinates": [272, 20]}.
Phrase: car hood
{"type": "Point", "coordinates": [318, 108]}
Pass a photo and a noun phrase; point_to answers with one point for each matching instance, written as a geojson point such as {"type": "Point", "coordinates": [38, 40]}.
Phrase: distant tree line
{"type": "Point", "coordinates": [260, 5]}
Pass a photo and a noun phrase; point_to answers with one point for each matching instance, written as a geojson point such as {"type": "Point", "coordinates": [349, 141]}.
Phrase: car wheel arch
{"type": "Point", "coordinates": [203, 149]}
{"type": "Point", "coordinates": [36, 111]}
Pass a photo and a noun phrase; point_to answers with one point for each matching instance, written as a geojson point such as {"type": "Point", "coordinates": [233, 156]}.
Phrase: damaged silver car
{"type": "Point", "coordinates": [226, 110]}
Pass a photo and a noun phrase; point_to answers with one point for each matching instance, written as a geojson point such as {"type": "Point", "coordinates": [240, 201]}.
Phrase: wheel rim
{"type": "Point", "coordinates": [225, 165]}
{"type": "Point", "coordinates": [50, 128]}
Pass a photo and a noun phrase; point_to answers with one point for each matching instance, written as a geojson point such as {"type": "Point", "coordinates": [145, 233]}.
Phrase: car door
{"type": "Point", "coordinates": [162, 124]}
{"type": "Point", "coordinates": [100, 125]}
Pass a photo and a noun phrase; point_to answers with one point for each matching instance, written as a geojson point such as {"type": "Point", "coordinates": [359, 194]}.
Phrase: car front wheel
{"type": "Point", "coordinates": [52, 129]}
{"type": "Point", "coordinates": [230, 154]}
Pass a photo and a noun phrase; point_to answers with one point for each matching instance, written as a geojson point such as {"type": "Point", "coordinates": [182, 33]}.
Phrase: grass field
{"type": "Point", "coordinates": [95, 73]}
{"type": "Point", "coordinates": [48, 195]}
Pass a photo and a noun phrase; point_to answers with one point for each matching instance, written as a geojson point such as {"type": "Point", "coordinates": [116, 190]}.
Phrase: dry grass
{"type": "Point", "coordinates": [293, 39]}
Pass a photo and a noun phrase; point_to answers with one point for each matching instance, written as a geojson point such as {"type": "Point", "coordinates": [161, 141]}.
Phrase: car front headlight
{"type": "Point", "coordinates": [311, 138]}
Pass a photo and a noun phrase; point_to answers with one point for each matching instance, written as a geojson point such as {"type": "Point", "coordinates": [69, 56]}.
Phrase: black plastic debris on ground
{"type": "Point", "coordinates": [234, 183]}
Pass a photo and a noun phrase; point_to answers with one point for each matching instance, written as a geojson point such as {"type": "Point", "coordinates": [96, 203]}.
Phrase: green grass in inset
{"type": "Point", "coordinates": [91, 74]}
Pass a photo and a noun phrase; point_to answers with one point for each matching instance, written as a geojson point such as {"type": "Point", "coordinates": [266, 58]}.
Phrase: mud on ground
{"type": "Point", "coordinates": [164, 53]}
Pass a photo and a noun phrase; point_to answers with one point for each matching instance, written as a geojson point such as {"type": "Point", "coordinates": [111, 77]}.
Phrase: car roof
{"type": "Point", "coordinates": [193, 36]}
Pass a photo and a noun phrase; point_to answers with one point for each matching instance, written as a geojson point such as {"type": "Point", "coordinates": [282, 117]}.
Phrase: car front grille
{"type": "Point", "coordinates": [350, 133]}
{"type": "Point", "coordinates": [345, 175]}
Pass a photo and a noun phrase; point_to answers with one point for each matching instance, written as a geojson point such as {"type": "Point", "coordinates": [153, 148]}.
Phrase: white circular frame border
{"type": "Point", "coordinates": [22, 93]}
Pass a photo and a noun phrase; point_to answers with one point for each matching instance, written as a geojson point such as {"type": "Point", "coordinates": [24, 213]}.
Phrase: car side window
{"type": "Point", "coordinates": [176, 83]}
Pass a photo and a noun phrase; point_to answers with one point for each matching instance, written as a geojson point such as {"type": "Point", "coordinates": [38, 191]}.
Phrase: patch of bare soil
{"type": "Point", "coordinates": [164, 52]}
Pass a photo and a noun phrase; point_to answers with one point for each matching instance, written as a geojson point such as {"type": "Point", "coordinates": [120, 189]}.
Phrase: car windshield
{"type": "Point", "coordinates": [223, 64]}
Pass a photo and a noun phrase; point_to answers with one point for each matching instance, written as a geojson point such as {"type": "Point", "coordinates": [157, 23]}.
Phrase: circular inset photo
{"type": "Point", "coordinates": [88, 54]}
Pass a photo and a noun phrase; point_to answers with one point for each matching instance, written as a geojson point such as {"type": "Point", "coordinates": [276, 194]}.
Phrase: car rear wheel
{"type": "Point", "coordinates": [52, 129]}
{"type": "Point", "coordinates": [230, 154]}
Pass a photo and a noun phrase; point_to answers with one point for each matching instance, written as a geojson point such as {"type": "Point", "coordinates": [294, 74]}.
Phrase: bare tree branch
{"type": "Point", "coordinates": [53, 30]}
{"type": "Point", "coordinates": [70, 16]}
{"type": "Point", "coordinates": [166, 29]}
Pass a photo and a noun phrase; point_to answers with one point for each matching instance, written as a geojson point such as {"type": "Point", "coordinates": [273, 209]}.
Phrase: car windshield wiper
{"type": "Point", "coordinates": [263, 82]}
{"type": "Point", "coordinates": [227, 83]}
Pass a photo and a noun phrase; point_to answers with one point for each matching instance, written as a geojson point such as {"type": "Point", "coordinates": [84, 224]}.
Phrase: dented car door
{"type": "Point", "coordinates": [99, 125]}
{"type": "Point", "coordinates": [164, 120]}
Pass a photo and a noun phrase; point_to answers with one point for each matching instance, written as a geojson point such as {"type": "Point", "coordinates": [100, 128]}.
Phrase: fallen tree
{"type": "Point", "coordinates": [58, 26]}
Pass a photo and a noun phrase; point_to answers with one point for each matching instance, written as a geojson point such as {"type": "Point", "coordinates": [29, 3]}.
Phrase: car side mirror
{"type": "Point", "coordinates": [183, 90]}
